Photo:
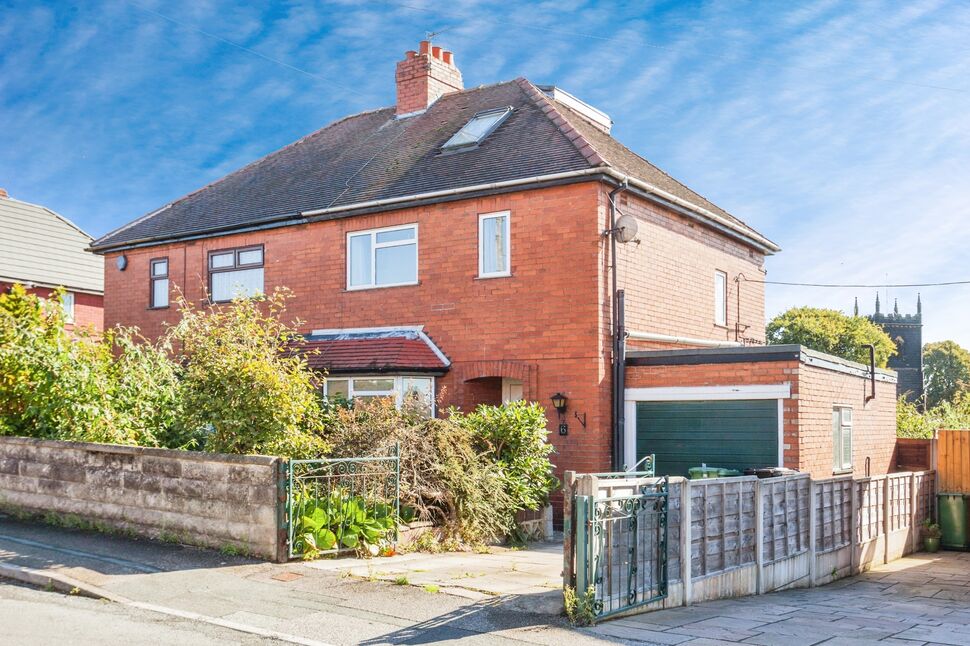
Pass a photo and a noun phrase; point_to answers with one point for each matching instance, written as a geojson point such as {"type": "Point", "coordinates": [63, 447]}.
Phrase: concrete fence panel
{"type": "Point", "coordinates": [206, 499]}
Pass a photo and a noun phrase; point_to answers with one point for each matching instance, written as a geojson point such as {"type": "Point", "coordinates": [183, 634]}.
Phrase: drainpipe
{"type": "Point", "coordinates": [618, 341]}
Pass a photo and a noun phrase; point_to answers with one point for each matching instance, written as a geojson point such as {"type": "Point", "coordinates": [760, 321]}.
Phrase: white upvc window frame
{"type": "Point", "coordinates": [720, 313]}
{"type": "Point", "coordinates": [382, 245]}
{"type": "Point", "coordinates": [68, 301]}
{"type": "Point", "coordinates": [397, 392]}
{"type": "Point", "coordinates": [842, 428]}
{"type": "Point", "coordinates": [508, 244]}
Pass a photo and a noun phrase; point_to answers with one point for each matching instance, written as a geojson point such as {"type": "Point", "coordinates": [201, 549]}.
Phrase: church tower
{"type": "Point", "coordinates": [906, 331]}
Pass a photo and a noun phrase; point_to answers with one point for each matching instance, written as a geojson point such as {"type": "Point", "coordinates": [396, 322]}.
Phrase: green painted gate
{"type": "Point", "coordinates": [734, 434]}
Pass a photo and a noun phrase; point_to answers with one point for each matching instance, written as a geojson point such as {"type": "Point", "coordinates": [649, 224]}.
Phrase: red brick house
{"type": "Point", "coordinates": [42, 251]}
{"type": "Point", "coordinates": [462, 244]}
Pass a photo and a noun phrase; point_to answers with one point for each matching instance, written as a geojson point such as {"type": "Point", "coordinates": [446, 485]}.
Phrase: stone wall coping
{"type": "Point", "coordinates": [94, 447]}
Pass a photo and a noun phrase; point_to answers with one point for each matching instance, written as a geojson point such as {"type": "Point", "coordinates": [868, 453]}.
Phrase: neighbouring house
{"type": "Point", "coordinates": [42, 250]}
{"type": "Point", "coordinates": [497, 243]}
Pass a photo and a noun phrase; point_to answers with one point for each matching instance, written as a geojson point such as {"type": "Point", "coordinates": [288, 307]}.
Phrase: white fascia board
{"type": "Point", "coordinates": [707, 393]}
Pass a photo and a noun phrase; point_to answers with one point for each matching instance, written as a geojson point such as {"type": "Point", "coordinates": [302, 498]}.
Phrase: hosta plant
{"type": "Point", "coordinates": [339, 521]}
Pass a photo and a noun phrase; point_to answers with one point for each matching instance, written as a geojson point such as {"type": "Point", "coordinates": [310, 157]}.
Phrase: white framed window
{"type": "Point", "coordinates": [235, 273]}
{"type": "Point", "coordinates": [494, 245]}
{"type": "Point", "coordinates": [398, 387]}
{"type": "Point", "coordinates": [158, 275]}
{"type": "Point", "coordinates": [67, 304]}
{"type": "Point", "coordinates": [385, 257]}
{"type": "Point", "coordinates": [720, 298]}
{"type": "Point", "coordinates": [841, 438]}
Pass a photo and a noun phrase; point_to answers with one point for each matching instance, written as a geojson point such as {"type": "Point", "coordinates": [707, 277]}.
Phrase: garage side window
{"type": "Point", "coordinates": [842, 438]}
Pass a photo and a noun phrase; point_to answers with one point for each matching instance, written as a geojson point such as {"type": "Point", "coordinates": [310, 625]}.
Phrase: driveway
{"type": "Point", "coordinates": [920, 599]}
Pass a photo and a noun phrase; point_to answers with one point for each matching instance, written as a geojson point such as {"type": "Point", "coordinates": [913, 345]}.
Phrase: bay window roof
{"type": "Point", "coordinates": [374, 350]}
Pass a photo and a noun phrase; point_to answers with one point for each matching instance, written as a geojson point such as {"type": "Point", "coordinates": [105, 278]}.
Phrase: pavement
{"type": "Point", "coordinates": [405, 599]}
{"type": "Point", "coordinates": [920, 600]}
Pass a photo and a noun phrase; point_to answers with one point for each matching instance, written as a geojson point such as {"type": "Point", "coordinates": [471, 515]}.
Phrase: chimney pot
{"type": "Point", "coordinates": [410, 53]}
{"type": "Point", "coordinates": [436, 52]}
{"type": "Point", "coordinates": [424, 46]}
{"type": "Point", "coordinates": [446, 57]}
{"type": "Point", "coordinates": [3, 193]}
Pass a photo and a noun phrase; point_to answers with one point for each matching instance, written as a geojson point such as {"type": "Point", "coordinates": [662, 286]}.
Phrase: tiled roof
{"type": "Point", "coordinates": [376, 350]}
{"type": "Point", "coordinates": [375, 156]}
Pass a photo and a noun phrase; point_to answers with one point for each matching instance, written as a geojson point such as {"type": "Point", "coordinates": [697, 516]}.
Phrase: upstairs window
{"type": "Point", "coordinates": [382, 257]}
{"type": "Point", "coordinates": [477, 128]}
{"type": "Point", "coordinates": [493, 245]}
{"type": "Point", "coordinates": [841, 439]}
{"type": "Point", "coordinates": [235, 273]}
{"type": "Point", "coordinates": [720, 298]}
{"type": "Point", "coordinates": [158, 273]}
{"type": "Point", "coordinates": [67, 304]}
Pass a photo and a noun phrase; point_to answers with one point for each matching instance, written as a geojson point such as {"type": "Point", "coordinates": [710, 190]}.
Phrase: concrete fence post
{"type": "Point", "coordinates": [913, 517]}
{"type": "Point", "coordinates": [568, 528]}
{"type": "Point", "coordinates": [759, 537]}
{"type": "Point", "coordinates": [887, 510]}
{"type": "Point", "coordinates": [686, 557]}
{"type": "Point", "coordinates": [812, 534]}
{"type": "Point", "coordinates": [854, 541]}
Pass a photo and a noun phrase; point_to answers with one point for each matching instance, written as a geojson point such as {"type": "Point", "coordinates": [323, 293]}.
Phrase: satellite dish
{"type": "Point", "coordinates": [626, 228]}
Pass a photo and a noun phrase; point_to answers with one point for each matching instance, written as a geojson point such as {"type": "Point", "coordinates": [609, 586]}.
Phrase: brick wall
{"type": "Point", "coordinates": [88, 308]}
{"type": "Point", "coordinates": [807, 427]}
{"type": "Point", "coordinates": [200, 498]}
{"type": "Point", "coordinates": [669, 276]}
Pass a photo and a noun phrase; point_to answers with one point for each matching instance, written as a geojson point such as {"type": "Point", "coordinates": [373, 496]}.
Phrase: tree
{"type": "Point", "coordinates": [946, 371]}
{"type": "Point", "coordinates": [832, 332]}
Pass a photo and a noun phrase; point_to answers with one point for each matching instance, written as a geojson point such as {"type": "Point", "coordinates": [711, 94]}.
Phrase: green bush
{"type": "Point", "coordinates": [833, 332]}
{"type": "Point", "coordinates": [514, 437]}
{"type": "Point", "coordinates": [911, 422]}
{"type": "Point", "coordinates": [341, 521]}
{"type": "Point", "coordinates": [241, 384]}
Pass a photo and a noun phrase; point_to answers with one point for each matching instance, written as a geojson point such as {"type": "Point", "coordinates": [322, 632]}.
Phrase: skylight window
{"type": "Point", "coordinates": [477, 128]}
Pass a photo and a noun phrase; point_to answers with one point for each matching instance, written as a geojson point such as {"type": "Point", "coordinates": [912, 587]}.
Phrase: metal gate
{"type": "Point", "coordinates": [621, 547]}
{"type": "Point", "coordinates": [337, 505]}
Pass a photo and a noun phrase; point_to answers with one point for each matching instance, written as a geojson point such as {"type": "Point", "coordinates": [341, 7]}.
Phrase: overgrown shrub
{"type": "Point", "coordinates": [515, 438]}
{"type": "Point", "coordinates": [444, 477]}
{"type": "Point", "coordinates": [240, 382]}
{"type": "Point", "coordinates": [912, 422]}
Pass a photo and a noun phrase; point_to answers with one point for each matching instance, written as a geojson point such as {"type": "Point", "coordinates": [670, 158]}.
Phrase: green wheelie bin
{"type": "Point", "coordinates": [952, 510]}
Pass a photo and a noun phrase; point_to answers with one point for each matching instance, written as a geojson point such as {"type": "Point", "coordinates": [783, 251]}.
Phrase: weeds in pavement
{"type": "Point", "coordinates": [580, 609]}
{"type": "Point", "coordinates": [432, 588]}
{"type": "Point", "coordinates": [402, 580]}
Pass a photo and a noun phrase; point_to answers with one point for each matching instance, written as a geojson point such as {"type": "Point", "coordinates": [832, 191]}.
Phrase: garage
{"type": "Point", "coordinates": [733, 427]}
{"type": "Point", "coordinates": [733, 434]}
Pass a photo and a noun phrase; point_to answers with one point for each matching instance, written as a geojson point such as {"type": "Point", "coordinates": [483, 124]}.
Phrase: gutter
{"type": "Point", "coordinates": [698, 213]}
{"type": "Point", "coordinates": [683, 340]}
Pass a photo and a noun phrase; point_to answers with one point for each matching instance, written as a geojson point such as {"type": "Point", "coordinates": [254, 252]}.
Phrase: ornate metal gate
{"type": "Point", "coordinates": [621, 547]}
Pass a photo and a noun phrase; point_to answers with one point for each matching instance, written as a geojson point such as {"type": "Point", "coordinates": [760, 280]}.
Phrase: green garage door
{"type": "Point", "coordinates": [733, 434]}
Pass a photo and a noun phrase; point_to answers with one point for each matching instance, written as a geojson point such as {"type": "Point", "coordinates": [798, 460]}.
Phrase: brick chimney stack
{"type": "Point", "coordinates": [423, 76]}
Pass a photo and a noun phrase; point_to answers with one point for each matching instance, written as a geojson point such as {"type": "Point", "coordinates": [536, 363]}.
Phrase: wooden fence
{"type": "Point", "coordinates": [748, 536]}
{"type": "Point", "coordinates": [952, 450]}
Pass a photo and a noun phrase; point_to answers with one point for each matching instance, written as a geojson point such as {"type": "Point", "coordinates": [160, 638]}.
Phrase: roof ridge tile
{"type": "Point", "coordinates": [583, 145]}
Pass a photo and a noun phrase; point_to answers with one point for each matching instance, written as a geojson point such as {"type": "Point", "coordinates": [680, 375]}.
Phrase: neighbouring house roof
{"type": "Point", "coordinates": [371, 157]}
{"type": "Point", "coordinates": [40, 247]}
{"type": "Point", "coordinates": [374, 350]}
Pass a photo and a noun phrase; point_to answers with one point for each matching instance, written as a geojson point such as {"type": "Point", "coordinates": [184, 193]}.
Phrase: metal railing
{"type": "Point", "coordinates": [336, 505]}
{"type": "Point", "coordinates": [621, 548]}
{"type": "Point", "coordinates": [644, 468]}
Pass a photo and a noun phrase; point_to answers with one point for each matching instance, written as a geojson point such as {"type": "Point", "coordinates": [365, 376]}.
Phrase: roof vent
{"type": "Point", "coordinates": [478, 127]}
{"type": "Point", "coordinates": [597, 116]}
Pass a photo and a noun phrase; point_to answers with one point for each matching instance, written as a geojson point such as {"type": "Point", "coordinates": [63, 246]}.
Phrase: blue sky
{"type": "Point", "coordinates": [839, 129]}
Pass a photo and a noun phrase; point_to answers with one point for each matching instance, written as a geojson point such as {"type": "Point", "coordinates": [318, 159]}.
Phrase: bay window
{"type": "Point", "coordinates": [400, 388]}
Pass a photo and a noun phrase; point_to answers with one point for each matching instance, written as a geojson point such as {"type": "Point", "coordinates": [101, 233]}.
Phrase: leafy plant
{"type": "Point", "coordinates": [912, 422]}
{"type": "Point", "coordinates": [341, 521]}
{"type": "Point", "coordinates": [931, 529]}
{"type": "Point", "coordinates": [946, 366]}
{"type": "Point", "coordinates": [514, 437]}
{"type": "Point", "coordinates": [580, 609]}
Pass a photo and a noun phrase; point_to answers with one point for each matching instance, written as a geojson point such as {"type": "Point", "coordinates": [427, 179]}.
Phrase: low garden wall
{"type": "Point", "coordinates": [748, 536]}
{"type": "Point", "coordinates": [208, 499]}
